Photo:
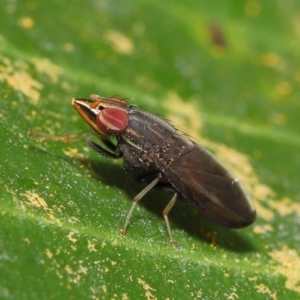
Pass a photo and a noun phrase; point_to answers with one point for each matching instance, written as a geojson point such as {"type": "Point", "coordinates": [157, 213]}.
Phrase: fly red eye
{"type": "Point", "coordinates": [112, 120]}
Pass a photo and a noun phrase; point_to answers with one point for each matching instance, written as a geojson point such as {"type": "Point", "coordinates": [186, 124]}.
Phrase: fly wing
{"type": "Point", "coordinates": [211, 188]}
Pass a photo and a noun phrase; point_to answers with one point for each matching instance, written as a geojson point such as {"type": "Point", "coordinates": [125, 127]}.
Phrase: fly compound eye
{"type": "Point", "coordinates": [112, 120]}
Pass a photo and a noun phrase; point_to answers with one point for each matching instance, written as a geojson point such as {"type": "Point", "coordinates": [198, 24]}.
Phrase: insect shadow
{"type": "Point", "coordinates": [182, 215]}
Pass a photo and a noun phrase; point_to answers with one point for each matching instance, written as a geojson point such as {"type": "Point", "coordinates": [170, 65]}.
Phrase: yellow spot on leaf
{"type": "Point", "coordinates": [73, 153]}
{"type": "Point", "coordinates": [44, 66]}
{"type": "Point", "coordinates": [252, 278]}
{"type": "Point", "coordinates": [284, 88]}
{"type": "Point", "coordinates": [35, 200]}
{"type": "Point", "coordinates": [26, 22]}
{"type": "Point", "coordinates": [119, 42]}
{"type": "Point", "coordinates": [288, 265]}
{"type": "Point", "coordinates": [49, 253]}
{"type": "Point", "coordinates": [68, 47]}
{"type": "Point", "coordinates": [263, 289]}
{"type": "Point", "coordinates": [148, 289]}
{"type": "Point", "coordinates": [182, 113]}
{"type": "Point", "coordinates": [82, 269]}
{"type": "Point", "coordinates": [286, 207]}
{"type": "Point", "coordinates": [68, 269]}
{"type": "Point", "coordinates": [124, 297]}
{"type": "Point", "coordinates": [23, 82]}
{"type": "Point", "coordinates": [91, 246]}
{"type": "Point", "coordinates": [70, 236]}
{"type": "Point", "coordinates": [232, 296]}
{"type": "Point", "coordinates": [16, 76]}
{"type": "Point", "coordinates": [274, 61]}
{"type": "Point", "coordinates": [261, 229]}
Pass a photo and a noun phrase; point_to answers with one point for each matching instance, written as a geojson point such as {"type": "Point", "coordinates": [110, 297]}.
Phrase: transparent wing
{"type": "Point", "coordinates": [211, 188]}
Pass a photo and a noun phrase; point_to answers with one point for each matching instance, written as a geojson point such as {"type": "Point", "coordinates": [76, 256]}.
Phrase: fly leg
{"type": "Point", "coordinates": [114, 153]}
{"type": "Point", "coordinates": [165, 214]}
{"type": "Point", "coordinates": [39, 136]}
{"type": "Point", "coordinates": [136, 199]}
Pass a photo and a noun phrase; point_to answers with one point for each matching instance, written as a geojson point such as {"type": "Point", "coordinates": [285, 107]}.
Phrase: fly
{"type": "Point", "coordinates": [155, 152]}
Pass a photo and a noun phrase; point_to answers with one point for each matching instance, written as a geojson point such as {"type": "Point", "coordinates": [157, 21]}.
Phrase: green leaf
{"type": "Point", "coordinates": [227, 74]}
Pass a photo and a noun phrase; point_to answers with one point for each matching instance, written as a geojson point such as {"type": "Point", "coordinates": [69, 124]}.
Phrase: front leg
{"type": "Point", "coordinates": [104, 152]}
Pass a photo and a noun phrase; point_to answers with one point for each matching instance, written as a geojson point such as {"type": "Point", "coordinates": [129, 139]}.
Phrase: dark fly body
{"type": "Point", "coordinates": [155, 152]}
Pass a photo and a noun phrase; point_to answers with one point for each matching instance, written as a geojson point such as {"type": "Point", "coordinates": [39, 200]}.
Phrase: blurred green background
{"type": "Point", "coordinates": [226, 72]}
